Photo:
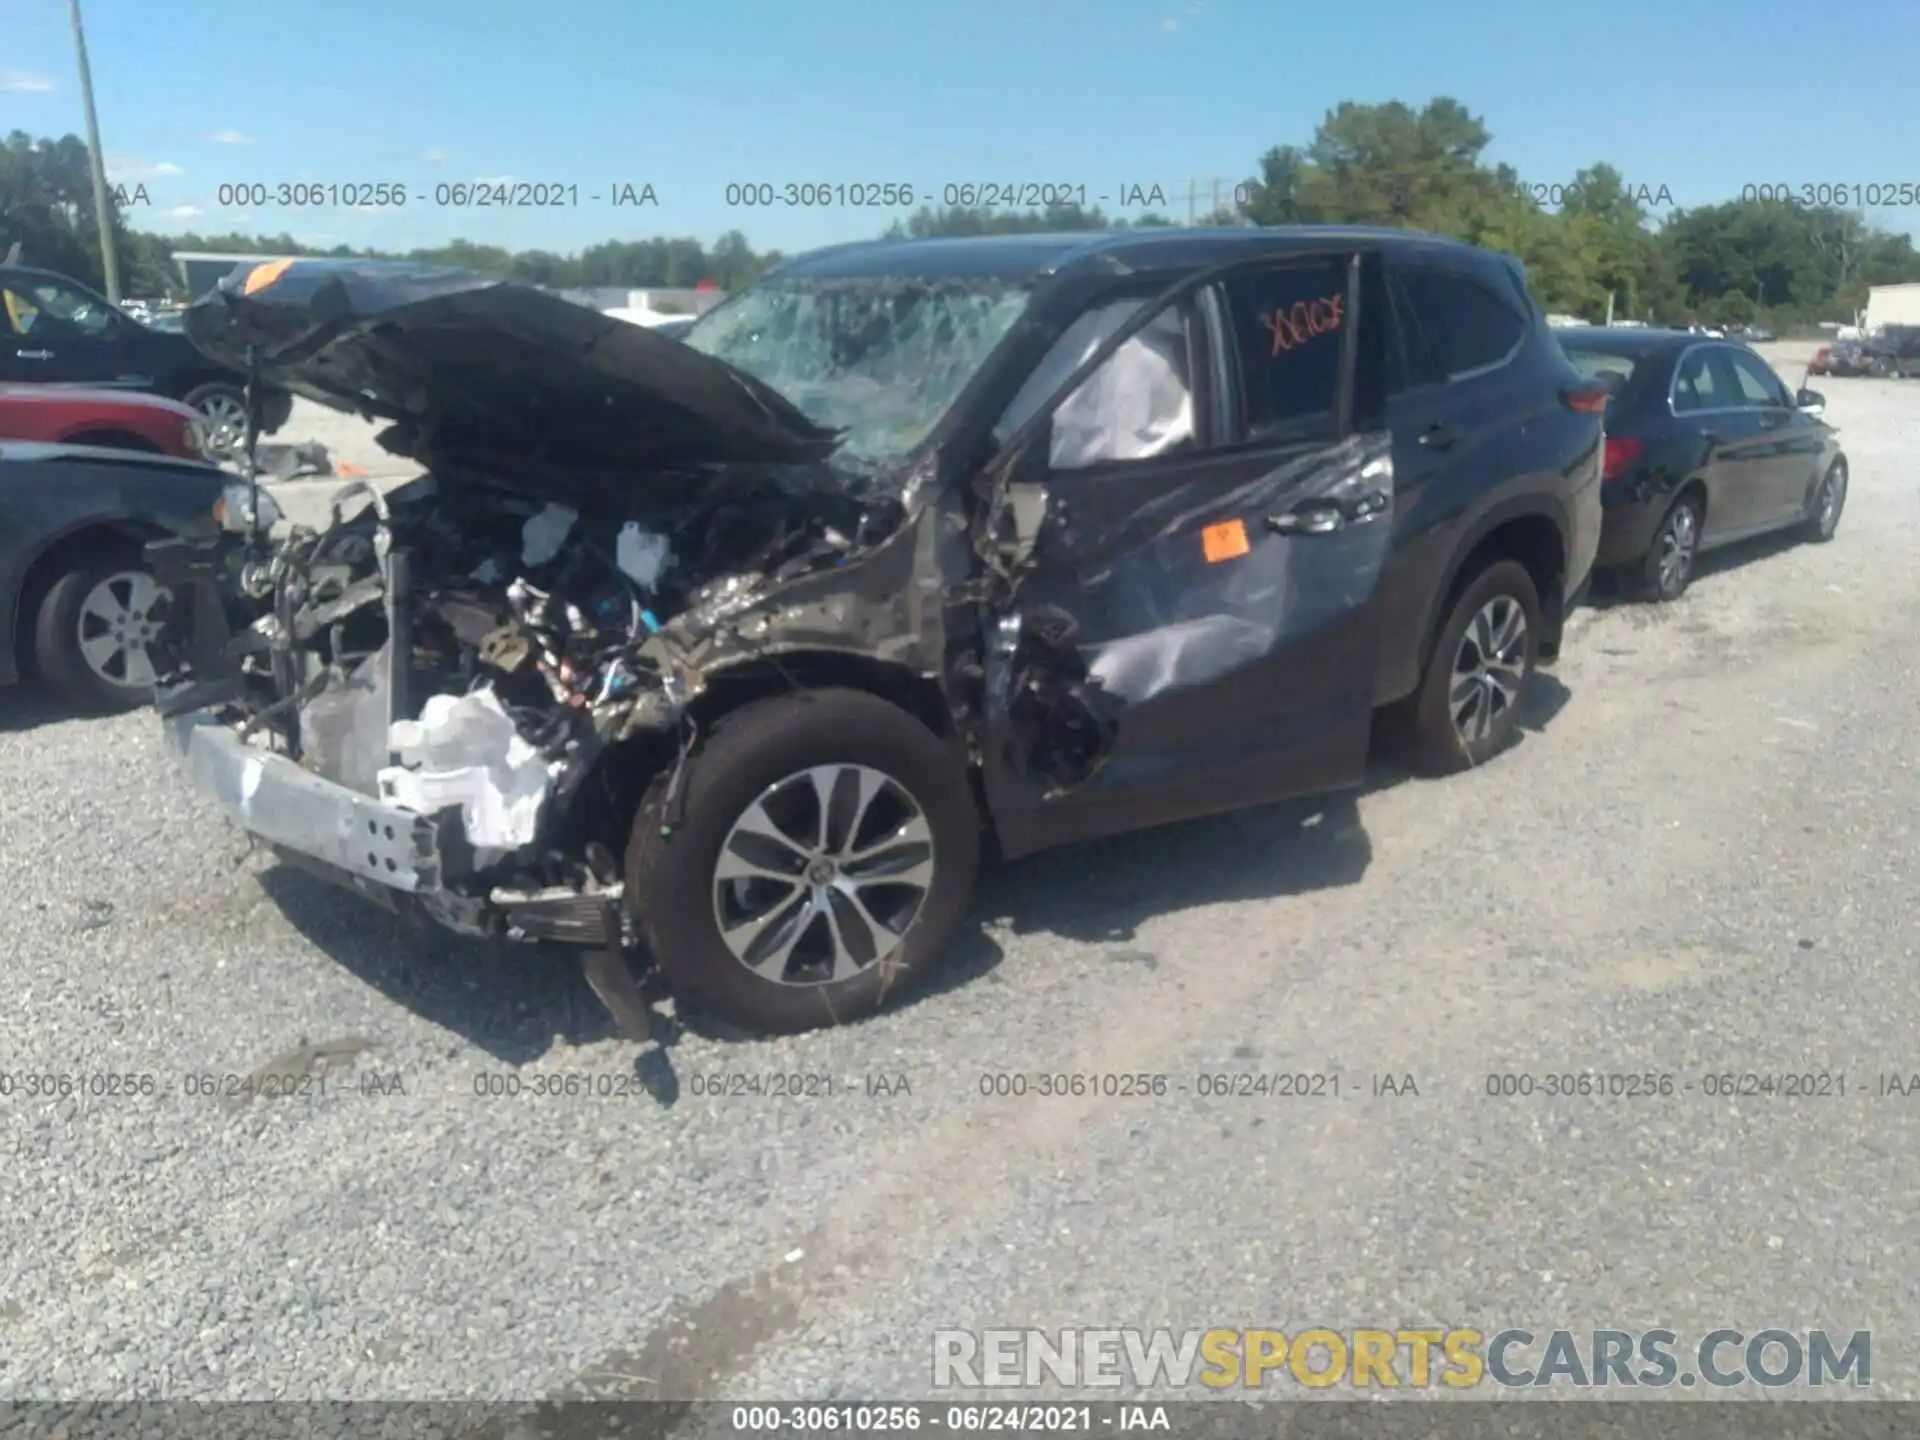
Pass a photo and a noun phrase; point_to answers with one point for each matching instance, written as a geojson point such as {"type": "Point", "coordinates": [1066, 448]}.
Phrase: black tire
{"type": "Point", "coordinates": [672, 880]}
{"type": "Point", "coordinates": [1823, 520]}
{"type": "Point", "coordinates": [221, 393]}
{"type": "Point", "coordinates": [1434, 744]}
{"type": "Point", "coordinates": [62, 665]}
{"type": "Point", "coordinates": [1653, 580]}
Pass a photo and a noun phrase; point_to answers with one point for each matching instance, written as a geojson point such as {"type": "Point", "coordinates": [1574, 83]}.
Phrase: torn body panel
{"type": "Point", "coordinates": [469, 656]}
{"type": "Point", "coordinates": [1181, 640]}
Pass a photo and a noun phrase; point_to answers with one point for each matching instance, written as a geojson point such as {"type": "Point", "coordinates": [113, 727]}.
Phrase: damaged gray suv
{"type": "Point", "coordinates": [732, 652]}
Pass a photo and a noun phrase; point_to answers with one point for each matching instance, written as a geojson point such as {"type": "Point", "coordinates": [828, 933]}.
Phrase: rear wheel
{"type": "Point", "coordinates": [1468, 704]}
{"type": "Point", "coordinates": [1667, 568]}
{"type": "Point", "coordinates": [829, 851]}
{"type": "Point", "coordinates": [1828, 501]}
{"type": "Point", "coordinates": [95, 632]}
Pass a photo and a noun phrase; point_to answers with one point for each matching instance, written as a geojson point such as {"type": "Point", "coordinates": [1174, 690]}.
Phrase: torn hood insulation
{"type": "Point", "coordinates": [474, 366]}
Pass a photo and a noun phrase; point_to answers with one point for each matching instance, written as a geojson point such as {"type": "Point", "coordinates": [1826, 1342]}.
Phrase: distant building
{"type": "Point", "coordinates": [658, 307]}
{"type": "Point", "coordinates": [201, 270]}
{"type": "Point", "coordinates": [1891, 305]}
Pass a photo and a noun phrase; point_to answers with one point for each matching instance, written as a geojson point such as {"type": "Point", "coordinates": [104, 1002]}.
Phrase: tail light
{"type": "Point", "coordinates": [1587, 399]}
{"type": "Point", "coordinates": [1623, 452]}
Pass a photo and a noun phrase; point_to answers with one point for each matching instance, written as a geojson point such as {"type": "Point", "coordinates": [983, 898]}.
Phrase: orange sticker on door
{"type": "Point", "coordinates": [1225, 541]}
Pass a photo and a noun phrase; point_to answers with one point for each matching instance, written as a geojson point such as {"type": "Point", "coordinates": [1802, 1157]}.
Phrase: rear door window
{"type": "Point", "coordinates": [1468, 326]}
{"type": "Point", "coordinates": [1286, 327]}
{"type": "Point", "coordinates": [1699, 384]}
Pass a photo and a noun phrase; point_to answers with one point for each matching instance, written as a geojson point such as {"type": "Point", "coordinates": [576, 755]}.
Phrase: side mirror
{"type": "Point", "coordinates": [1811, 401]}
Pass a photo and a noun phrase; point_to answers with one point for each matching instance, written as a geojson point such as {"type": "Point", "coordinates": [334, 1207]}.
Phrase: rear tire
{"type": "Point", "coordinates": [760, 766]}
{"type": "Point", "coordinates": [1664, 573]}
{"type": "Point", "coordinates": [82, 615]}
{"type": "Point", "coordinates": [1467, 707]}
{"type": "Point", "coordinates": [1829, 502]}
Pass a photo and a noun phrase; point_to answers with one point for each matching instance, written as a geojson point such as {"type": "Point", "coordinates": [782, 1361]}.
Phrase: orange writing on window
{"type": "Point", "coordinates": [1225, 541]}
{"type": "Point", "coordinates": [1305, 320]}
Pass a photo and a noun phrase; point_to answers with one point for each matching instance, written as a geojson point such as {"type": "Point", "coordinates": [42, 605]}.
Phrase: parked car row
{"type": "Point", "coordinates": [56, 331]}
{"type": "Point", "coordinates": [1894, 355]}
{"type": "Point", "coordinates": [736, 649]}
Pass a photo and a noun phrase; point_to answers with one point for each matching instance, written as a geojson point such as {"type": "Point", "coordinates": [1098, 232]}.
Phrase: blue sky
{"type": "Point", "coordinates": [1701, 97]}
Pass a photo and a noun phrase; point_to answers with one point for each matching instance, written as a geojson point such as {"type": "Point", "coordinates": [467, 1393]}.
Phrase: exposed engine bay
{"type": "Point", "coordinates": [469, 647]}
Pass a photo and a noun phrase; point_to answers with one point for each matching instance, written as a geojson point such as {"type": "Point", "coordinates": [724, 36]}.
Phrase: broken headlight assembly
{"type": "Point", "coordinates": [244, 507]}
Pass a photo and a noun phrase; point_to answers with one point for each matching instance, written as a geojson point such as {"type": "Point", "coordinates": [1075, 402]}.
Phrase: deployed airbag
{"type": "Point", "coordinates": [466, 751]}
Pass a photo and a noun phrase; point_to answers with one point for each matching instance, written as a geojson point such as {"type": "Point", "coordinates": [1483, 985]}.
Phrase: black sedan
{"type": "Point", "coordinates": [1706, 445]}
{"type": "Point", "coordinates": [78, 602]}
{"type": "Point", "coordinates": [55, 331]}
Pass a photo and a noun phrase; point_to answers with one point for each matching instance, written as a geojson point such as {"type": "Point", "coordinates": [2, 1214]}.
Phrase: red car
{"type": "Point", "coordinates": [120, 419]}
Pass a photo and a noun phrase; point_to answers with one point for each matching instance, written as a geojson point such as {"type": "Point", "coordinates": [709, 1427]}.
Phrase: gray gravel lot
{"type": "Point", "coordinates": [1701, 857]}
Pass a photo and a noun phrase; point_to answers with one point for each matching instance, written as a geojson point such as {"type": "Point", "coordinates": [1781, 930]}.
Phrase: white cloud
{"type": "Point", "coordinates": [125, 167]}
{"type": "Point", "coordinates": [494, 180]}
{"type": "Point", "coordinates": [182, 212]}
{"type": "Point", "coordinates": [229, 137]}
{"type": "Point", "coordinates": [435, 156]}
{"type": "Point", "coordinates": [26, 82]}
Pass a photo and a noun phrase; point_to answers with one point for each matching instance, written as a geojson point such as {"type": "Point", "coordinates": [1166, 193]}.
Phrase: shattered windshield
{"type": "Point", "coordinates": [880, 359]}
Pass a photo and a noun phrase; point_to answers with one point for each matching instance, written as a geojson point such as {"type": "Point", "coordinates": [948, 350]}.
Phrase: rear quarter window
{"type": "Point", "coordinates": [1467, 325]}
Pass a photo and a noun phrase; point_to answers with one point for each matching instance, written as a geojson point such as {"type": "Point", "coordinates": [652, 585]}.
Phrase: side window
{"type": "Point", "coordinates": [1699, 385]}
{"type": "Point", "coordinates": [82, 311]}
{"type": "Point", "coordinates": [1286, 331]}
{"type": "Point", "coordinates": [1467, 325]}
{"type": "Point", "coordinates": [1759, 386]}
{"type": "Point", "coordinates": [1138, 404]}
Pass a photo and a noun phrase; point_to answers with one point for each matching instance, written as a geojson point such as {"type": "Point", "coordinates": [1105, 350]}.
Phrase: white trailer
{"type": "Point", "coordinates": [1892, 305]}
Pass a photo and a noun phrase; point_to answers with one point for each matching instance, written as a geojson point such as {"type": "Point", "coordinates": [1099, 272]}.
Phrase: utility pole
{"type": "Point", "coordinates": [103, 211]}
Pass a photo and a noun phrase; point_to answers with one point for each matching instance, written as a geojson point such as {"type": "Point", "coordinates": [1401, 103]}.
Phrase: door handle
{"type": "Point", "coordinates": [1439, 437]}
{"type": "Point", "coordinates": [1310, 517]}
{"type": "Point", "coordinates": [34, 354]}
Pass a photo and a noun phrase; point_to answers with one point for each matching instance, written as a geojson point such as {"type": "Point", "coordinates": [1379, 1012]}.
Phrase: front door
{"type": "Point", "coordinates": [1733, 452]}
{"type": "Point", "coordinates": [59, 334]}
{"type": "Point", "coordinates": [1192, 534]}
{"type": "Point", "coordinates": [1793, 441]}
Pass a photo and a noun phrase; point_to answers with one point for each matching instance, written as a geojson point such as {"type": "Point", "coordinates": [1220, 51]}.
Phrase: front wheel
{"type": "Point", "coordinates": [1828, 501]}
{"type": "Point", "coordinates": [1468, 704]}
{"type": "Point", "coordinates": [223, 410]}
{"type": "Point", "coordinates": [828, 853]}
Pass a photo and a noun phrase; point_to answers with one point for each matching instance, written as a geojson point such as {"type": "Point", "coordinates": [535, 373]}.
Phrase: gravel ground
{"type": "Point", "coordinates": [1700, 858]}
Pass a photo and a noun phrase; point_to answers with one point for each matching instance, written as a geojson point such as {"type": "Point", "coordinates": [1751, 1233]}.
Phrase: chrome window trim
{"type": "Point", "coordinates": [1673, 387]}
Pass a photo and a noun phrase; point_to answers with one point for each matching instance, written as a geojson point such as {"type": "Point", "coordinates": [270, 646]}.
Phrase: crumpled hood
{"type": "Point", "coordinates": [475, 366]}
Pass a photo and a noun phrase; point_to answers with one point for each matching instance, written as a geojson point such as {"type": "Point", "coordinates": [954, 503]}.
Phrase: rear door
{"type": "Point", "coordinates": [1730, 451]}
{"type": "Point", "coordinates": [1187, 539]}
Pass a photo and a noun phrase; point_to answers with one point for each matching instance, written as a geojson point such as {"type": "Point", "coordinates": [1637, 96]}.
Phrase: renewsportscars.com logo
{"type": "Point", "coordinates": [1395, 1359]}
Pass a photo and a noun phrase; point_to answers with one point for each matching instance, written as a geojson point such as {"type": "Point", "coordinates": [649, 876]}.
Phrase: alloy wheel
{"type": "Point", "coordinates": [1489, 668]}
{"type": "Point", "coordinates": [226, 420]}
{"type": "Point", "coordinates": [118, 621]}
{"type": "Point", "coordinates": [822, 874]}
{"type": "Point", "coordinates": [1679, 539]}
